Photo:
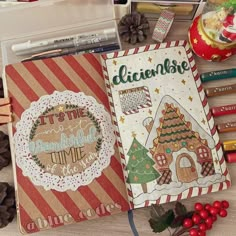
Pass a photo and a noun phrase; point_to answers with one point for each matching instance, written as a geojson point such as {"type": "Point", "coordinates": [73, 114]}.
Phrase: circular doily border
{"type": "Point", "coordinates": [62, 183]}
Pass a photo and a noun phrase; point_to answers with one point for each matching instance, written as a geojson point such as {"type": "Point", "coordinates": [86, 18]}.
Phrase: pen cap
{"type": "Point", "coordinates": [20, 46]}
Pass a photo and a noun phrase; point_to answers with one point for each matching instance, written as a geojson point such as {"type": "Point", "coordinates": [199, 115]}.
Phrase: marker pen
{"type": "Point", "coordinates": [71, 51]}
{"type": "Point", "coordinates": [69, 41]}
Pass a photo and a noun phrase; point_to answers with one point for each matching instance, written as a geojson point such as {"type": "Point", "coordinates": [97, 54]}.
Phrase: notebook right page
{"type": "Point", "coordinates": [168, 142]}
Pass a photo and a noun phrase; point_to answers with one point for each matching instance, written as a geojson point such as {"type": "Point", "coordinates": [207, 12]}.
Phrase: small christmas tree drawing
{"type": "Point", "coordinates": [140, 165]}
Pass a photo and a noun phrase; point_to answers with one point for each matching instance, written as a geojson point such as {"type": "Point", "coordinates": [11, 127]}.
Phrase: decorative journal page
{"type": "Point", "coordinates": [166, 134]}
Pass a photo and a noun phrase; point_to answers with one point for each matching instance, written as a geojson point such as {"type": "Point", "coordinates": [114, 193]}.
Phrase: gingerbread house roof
{"type": "Point", "coordinates": [174, 124]}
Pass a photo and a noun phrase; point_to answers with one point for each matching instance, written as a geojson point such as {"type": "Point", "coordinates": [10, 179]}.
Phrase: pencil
{"type": "Point", "coordinates": [221, 90]}
{"type": "Point", "coordinates": [229, 145]}
{"type": "Point", "coordinates": [230, 157]}
{"type": "Point", "coordinates": [223, 110]}
{"type": "Point", "coordinates": [218, 75]}
{"type": "Point", "coordinates": [226, 127]}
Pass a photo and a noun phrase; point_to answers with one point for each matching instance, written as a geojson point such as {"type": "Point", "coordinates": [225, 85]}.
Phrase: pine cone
{"type": "Point", "coordinates": [7, 204]}
{"type": "Point", "coordinates": [1, 89]}
{"type": "Point", "coordinates": [5, 154]}
{"type": "Point", "coordinates": [133, 27]}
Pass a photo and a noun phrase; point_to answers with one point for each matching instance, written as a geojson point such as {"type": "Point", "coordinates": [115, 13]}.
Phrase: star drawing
{"type": "Point", "coordinates": [60, 108]}
{"type": "Point", "coordinates": [157, 90]}
{"type": "Point", "coordinates": [183, 81]}
{"type": "Point", "coordinates": [134, 134]}
{"type": "Point", "coordinates": [122, 119]}
{"type": "Point", "coordinates": [150, 59]}
{"type": "Point", "coordinates": [114, 62]}
{"type": "Point", "coordinates": [190, 98]}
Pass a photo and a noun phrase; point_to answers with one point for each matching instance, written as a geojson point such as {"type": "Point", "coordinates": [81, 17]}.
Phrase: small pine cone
{"type": "Point", "coordinates": [7, 204]}
{"type": "Point", "coordinates": [1, 89]}
{"type": "Point", "coordinates": [133, 27]}
{"type": "Point", "coordinates": [5, 154]}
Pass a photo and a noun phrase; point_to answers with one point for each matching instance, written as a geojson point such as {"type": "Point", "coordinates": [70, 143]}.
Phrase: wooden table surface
{"type": "Point", "coordinates": [118, 225]}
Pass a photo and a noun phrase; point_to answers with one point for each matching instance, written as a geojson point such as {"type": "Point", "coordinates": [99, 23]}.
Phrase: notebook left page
{"type": "Point", "coordinates": [66, 163]}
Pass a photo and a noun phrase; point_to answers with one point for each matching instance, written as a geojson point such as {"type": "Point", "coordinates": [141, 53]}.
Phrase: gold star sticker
{"type": "Point", "coordinates": [122, 119]}
{"type": "Point", "coordinates": [203, 121]}
{"type": "Point", "coordinates": [157, 90]}
{"type": "Point", "coordinates": [216, 161]}
{"type": "Point", "coordinates": [190, 98]}
{"type": "Point", "coordinates": [150, 111]}
{"type": "Point", "coordinates": [183, 81]}
{"type": "Point", "coordinates": [114, 62]}
{"type": "Point", "coordinates": [60, 108]}
{"type": "Point", "coordinates": [134, 134]}
{"type": "Point", "coordinates": [195, 41]}
{"type": "Point", "coordinates": [150, 59]}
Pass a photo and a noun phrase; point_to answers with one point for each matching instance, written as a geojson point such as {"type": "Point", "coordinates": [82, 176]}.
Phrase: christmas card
{"type": "Point", "coordinates": [67, 165]}
{"type": "Point", "coordinates": [96, 135]}
{"type": "Point", "coordinates": [167, 139]}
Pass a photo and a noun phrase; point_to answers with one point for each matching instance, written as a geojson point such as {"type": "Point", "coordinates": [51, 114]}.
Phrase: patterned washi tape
{"type": "Point", "coordinates": [163, 25]}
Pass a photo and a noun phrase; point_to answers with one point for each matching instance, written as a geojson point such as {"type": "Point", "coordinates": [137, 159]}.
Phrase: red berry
{"type": "Point", "coordinates": [196, 219]}
{"type": "Point", "coordinates": [214, 218]}
{"type": "Point", "coordinates": [214, 211]}
{"type": "Point", "coordinates": [217, 204]}
{"type": "Point", "coordinates": [204, 214]}
{"type": "Point", "coordinates": [193, 232]}
{"type": "Point", "coordinates": [223, 213]}
{"type": "Point", "coordinates": [207, 207]}
{"type": "Point", "coordinates": [202, 227]}
{"type": "Point", "coordinates": [188, 223]}
{"type": "Point", "coordinates": [209, 221]}
{"type": "Point", "coordinates": [225, 204]}
{"type": "Point", "coordinates": [201, 233]}
{"type": "Point", "coordinates": [198, 206]}
{"type": "Point", "coordinates": [209, 227]}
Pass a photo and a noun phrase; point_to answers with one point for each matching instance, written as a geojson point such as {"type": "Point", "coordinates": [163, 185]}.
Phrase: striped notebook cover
{"type": "Point", "coordinates": [66, 161]}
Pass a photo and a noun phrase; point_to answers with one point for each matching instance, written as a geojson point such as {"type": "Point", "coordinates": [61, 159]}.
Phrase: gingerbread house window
{"type": "Point", "coordinates": [160, 159]}
{"type": "Point", "coordinates": [202, 152]}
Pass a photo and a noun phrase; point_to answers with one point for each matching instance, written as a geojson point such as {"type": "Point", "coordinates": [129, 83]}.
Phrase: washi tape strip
{"type": "Point", "coordinates": [163, 25]}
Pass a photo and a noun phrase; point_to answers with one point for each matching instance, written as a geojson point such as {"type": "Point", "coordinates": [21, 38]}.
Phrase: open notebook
{"type": "Point", "coordinates": [96, 135]}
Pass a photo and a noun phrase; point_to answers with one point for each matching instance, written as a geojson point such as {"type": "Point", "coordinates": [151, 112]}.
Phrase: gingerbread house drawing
{"type": "Point", "coordinates": [180, 147]}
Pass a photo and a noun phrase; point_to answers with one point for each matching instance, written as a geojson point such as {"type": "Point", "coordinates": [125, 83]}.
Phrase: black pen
{"type": "Point", "coordinates": [71, 51]}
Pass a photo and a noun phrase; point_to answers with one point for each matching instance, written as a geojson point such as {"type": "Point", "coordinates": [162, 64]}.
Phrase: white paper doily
{"type": "Point", "coordinates": [22, 138]}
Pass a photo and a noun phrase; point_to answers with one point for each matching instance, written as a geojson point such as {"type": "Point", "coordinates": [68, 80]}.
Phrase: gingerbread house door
{"type": "Point", "coordinates": [185, 168]}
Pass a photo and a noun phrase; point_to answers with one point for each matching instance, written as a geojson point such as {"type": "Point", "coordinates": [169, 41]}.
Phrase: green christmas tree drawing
{"type": "Point", "coordinates": [140, 166]}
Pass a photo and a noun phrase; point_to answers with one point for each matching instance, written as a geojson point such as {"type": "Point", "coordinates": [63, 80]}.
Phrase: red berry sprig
{"type": "Point", "coordinates": [194, 223]}
{"type": "Point", "coordinates": [204, 217]}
